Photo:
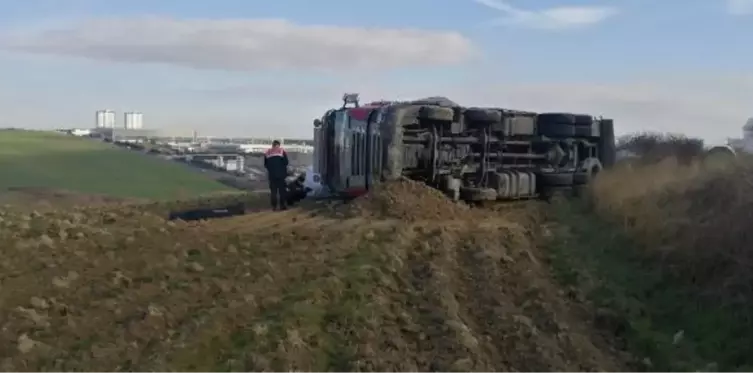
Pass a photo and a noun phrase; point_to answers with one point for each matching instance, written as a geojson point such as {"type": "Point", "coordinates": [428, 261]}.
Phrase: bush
{"type": "Point", "coordinates": [652, 147]}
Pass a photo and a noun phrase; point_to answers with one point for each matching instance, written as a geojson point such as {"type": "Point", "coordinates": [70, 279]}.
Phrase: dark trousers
{"type": "Point", "coordinates": [277, 192]}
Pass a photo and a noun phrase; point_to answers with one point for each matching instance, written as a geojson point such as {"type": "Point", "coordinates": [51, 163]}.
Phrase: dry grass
{"type": "Point", "coordinates": [404, 282]}
{"type": "Point", "coordinates": [696, 218]}
{"type": "Point", "coordinates": [635, 194]}
{"type": "Point", "coordinates": [682, 265]}
{"type": "Point", "coordinates": [662, 251]}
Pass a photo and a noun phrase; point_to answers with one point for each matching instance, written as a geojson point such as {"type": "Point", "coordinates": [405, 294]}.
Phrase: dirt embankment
{"type": "Point", "coordinates": [402, 280]}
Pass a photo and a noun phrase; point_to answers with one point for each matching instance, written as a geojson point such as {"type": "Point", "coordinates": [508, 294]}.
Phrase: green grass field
{"type": "Point", "coordinates": [30, 159]}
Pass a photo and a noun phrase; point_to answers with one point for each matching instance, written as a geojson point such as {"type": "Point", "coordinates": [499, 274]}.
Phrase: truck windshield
{"type": "Point", "coordinates": [341, 123]}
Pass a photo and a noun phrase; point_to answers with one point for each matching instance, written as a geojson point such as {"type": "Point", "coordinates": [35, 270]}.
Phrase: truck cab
{"type": "Point", "coordinates": [348, 147]}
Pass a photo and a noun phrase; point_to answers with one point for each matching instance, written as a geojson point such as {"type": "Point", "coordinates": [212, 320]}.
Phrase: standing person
{"type": "Point", "coordinates": [276, 163]}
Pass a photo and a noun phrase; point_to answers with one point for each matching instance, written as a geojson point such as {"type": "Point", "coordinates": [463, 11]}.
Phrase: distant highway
{"type": "Point", "coordinates": [231, 140]}
{"type": "Point", "coordinates": [235, 147]}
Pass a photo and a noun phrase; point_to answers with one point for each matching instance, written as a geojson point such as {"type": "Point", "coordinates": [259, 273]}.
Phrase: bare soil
{"type": "Point", "coordinates": [401, 281]}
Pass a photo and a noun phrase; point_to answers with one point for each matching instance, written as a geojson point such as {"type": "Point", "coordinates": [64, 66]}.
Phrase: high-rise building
{"type": "Point", "coordinates": [133, 120]}
{"type": "Point", "coordinates": [105, 119]}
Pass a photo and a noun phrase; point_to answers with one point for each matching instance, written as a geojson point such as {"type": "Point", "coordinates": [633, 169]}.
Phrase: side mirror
{"type": "Point", "coordinates": [317, 122]}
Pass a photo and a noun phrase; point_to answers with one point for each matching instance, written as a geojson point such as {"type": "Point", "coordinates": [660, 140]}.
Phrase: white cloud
{"type": "Point", "coordinates": [244, 44]}
{"type": "Point", "coordinates": [657, 102]}
{"type": "Point", "coordinates": [647, 103]}
{"type": "Point", "coordinates": [740, 7]}
{"type": "Point", "coordinates": [556, 18]}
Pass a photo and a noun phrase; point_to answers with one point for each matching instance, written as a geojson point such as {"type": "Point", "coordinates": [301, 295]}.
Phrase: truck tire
{"type": "Point", "coordinates": [559, 118]}
{"type": "Point", "coordinates": [585, 131]}
{"type": "Point", "coordinates": [555, 129]}
{"type": "Point", "coordinates": [483, 115]}
{"type": "Point", "coordinates": [583, 120]}
{"type": "Point", "coordinates": [559, 179]}
{"type": "Point", "coordinates": [606, 144]}
{"type": "Point", "coordinates": [436, 113]}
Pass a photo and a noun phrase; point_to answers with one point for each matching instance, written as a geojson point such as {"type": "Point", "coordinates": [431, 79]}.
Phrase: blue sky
{"type": "Point", "coordinates": [233, 67]}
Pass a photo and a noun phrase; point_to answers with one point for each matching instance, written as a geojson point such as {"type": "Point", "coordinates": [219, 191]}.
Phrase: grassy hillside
{"type": "Point", "coordinates": [48, 160]}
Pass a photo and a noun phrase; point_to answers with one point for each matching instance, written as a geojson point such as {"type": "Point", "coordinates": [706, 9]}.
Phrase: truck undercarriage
{"type": "Point", "coordinates": [471, 154]}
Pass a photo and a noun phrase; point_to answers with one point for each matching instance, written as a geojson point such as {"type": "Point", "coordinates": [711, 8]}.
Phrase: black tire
{"type": "Point", "coordinates": [560, 118]}
{"type": "Point", "coordinates": [436, 113]}
{"type": "Point", "coordinates": [606, 145]}
{"type": "Point", "coordinates": [585, 131]}
{"type": "Point", "coordinates": [583, 120]}
{"type": "Point", "coordinates": [555, 129]}
{"type": "Point", "coordinates": [556, 179]}
{"type": "Point", "coordinates": [483, 115]}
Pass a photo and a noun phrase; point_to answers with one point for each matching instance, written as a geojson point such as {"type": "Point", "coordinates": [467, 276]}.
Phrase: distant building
{"type": "Point", "coordinates": [133, 121]}
{"type": "Point", "coordinates": [105, 119]}
{"type": "Point", "coordinates": [81, 132]}
{"type": "Point", "coordinates": [746, 142]}
{"type": "Point", "coordinates": [122, 134]}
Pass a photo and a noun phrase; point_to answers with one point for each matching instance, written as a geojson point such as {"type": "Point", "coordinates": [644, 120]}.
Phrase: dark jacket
{"type": "Point", "coordinates": [276, 163]}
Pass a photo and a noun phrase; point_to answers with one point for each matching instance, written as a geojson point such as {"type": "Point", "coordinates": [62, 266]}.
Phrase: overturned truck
{"type": "Point", "coordinates": [469, 153]}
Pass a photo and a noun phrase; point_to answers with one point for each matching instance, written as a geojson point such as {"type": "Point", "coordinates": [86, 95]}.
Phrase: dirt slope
{"type": "Point", "coordinates": [389, 283]}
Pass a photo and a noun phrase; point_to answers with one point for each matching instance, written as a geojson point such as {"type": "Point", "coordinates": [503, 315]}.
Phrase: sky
{"type": "Point", "coordinates": [268, 68]}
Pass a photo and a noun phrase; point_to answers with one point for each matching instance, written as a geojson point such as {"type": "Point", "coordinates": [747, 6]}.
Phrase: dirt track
{"type": "Point", "coordinates": [355, 289]}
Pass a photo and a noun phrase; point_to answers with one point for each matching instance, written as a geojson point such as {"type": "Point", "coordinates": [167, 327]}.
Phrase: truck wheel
{"type": "Point", "coordinates": [556, 129]}
{"type": "Point", "coordinates": [436, 113]}
{"type": "Point", "coordinates": [483, 115]}
{"type": "Point", "coordinates": [583, 120]}
{"type": "Point", "coordinates": [556, 180]}
{"type": "Point", "coordinates": [585, 131]}
{"type": "Point", "coordinates": [559, 118]}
